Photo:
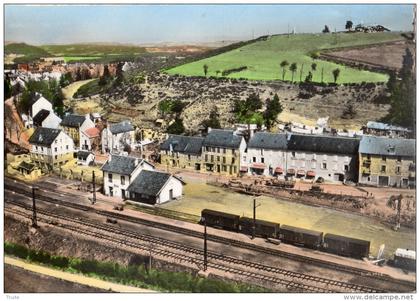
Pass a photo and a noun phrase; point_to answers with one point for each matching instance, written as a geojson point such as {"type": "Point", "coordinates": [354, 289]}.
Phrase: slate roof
{"type": "Point", "coordinates": [123, 165]}
{"type": "Point", "coordinates": [73, 120]}
{"type": "Point", "coordinates": [387, 146]}
{"type": "Point", "coordinates": [222, 138]}
{"type": "Point", "coordinates": [149, 183]}
{"type": "Point", "coordinates": [183, 144]}
{"type": "Point", "coordinates": [121, 127]}
{"type": "Point", "coordinates": [383, 126]}
{"type": "Point", "coordinates": [44, 136]}
{"type": "Point", "coordinates": [323, 144]}
{"type": "Point", "coordinates": [40, 117]}
{"type": "Point", "coordinates": [268, 141]}
{"type": "Point", "coordinates": [82, 155]}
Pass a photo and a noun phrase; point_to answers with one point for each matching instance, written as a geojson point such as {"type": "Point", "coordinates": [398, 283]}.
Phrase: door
{"type": "Point", "coordinates": [218, 168]}
{"type": "Point", "coordinates": [123, 193]}
{"type": "Point", "coordinates": [111, 191]}
{"type": "Point", "coordinates": [171, 194]}
{"type": "Point", "coordinates": [383, 181]}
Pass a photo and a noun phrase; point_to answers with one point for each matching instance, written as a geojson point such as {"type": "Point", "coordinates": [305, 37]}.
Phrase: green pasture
{"type": "Point", "coordinates": [69, 59]}
{"type": "Point", "coordinates": [263, 58]}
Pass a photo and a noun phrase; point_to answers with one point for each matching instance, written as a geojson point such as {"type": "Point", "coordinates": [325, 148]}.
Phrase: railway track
{"type": "Point", "coordinates": [99, 229]}
{"type": "Point", "coordinates": [23, 189]}
{"type": "Point", "coordinates": [222, 258]}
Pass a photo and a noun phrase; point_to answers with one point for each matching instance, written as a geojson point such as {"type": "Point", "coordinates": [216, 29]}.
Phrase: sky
{"type": "Point", "coordinates": [148, 24]}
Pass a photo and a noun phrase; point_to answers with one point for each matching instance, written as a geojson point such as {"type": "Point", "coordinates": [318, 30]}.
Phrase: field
{"type": "Point", "coordinates": [23, 53]}
{"type": "Point", "coordinates": [263, 58]}
{"type": "Point", "coordinates": [89, 50]}
{"type": "Point", "coordinates": [69, 59]}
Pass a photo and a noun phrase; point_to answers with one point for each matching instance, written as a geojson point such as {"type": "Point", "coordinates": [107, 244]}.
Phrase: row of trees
{"type": "Point", "coordinates": [293, 68]}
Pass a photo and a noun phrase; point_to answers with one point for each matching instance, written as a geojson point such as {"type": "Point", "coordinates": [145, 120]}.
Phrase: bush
{"type": "Point", "coordinates": [17, 250]}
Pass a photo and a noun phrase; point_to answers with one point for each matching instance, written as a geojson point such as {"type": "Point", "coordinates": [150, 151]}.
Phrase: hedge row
{"type": "Point", "coordinates": [134, 275]}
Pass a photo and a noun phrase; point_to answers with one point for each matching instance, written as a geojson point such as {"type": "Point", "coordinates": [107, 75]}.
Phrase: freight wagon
{"type": "Point", "coordinates": [302, 237]}
{"type": "Point", "coordinates": [262, 228]}
{"type": "Point", "coordinates": [346, 246]}
{"type": "Point", "coordinates": [221, 220]}
{"type": "Point", "coordinates": [405, 259]}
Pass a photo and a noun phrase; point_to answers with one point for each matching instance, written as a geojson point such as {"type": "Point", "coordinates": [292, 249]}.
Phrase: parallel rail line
{"type": "Point", "coordinates": [314, 261]}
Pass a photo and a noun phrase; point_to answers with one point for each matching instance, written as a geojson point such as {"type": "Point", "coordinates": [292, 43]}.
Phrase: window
{"type": "Point", "coordinates": [56, 157]}
{"type": "Point", "coordinates": [244, 159]}
{"type": "Point", "coordinates": [55, 149]}
{"type": "Point", "coordinates": [293, 154]}
{"type": "Point", "coordinates": [36, 147]}
{"type": "Point", "coordinates": [224, 160]}
{"type": "Point", "coordinates": [110, 177]}
{"type": "Point", "coordinates": [207, 148]}
{"type": "Point", "coordinates": [218, 158]}
{"type": "Point", "coordinates": [122, 180]}
{"type": "Point", "coordinates": [212, 158]}
{"type": "Point", "coordinates": [398, 169]}
{"type": "Point", "coordinates": [324, 165]}
{"type": "Point", "coordinates": [368, 157]}
{"type": "Point", "coordinates": [224, 168]}
{"type": "Point", "coordinates": [213, 149]}
{"type": "Point", "coordinates": [67, 147]}
{"type": "Point", "coordinates": [346, 167]}
{"type": "Point", "coordinates": [233, 160]}
{"type": "Point", "coordinates": [262, 160]}
{"type": "Point", "coordinates": [189, 157]}
{"type": "Point", "coordinates": [262, 152]}
{"type": "Point", "coordinates": [383, 158]}
{"type": "Point", "coordinates": [218, 150]}
{"type": "Point", "coordinates": [224, 150]}
{"type": "Point", "coordinates": [233, 151]}
{"type": "Point", "coordinates": [383, 168]}
{"type": "Point", "coordinates": [254, 159]}
{"type": "Point", "coordinates": [206, 157]}
{"type": "Point", "coordinates": [398, 159]}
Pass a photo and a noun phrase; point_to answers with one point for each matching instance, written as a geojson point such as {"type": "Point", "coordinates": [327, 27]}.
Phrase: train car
{"type": "Point", "coordinates": [405, 259]}
{"type": "Point", "coordinates": [346, 246]}
{"type": "Point", "coordinates": [263, 228]}
{"type": "Point", "coordinates": [221, 220]}
{"type": "Point", "coordinates": [301, 237]}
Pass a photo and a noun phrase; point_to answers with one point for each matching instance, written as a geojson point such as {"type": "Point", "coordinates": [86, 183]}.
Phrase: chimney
{"type": "Point", "coordinates": [209, 129]}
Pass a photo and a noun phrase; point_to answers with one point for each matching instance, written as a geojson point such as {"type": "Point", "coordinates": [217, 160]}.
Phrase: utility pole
{"type": "Point", "coordinates": [205, 243]}
{"type": "Point", "coordinates": [34, 224]}
{"type": "Point", "coordinates": [254, 220]}
{"type": "Point", "coordinates": [94, 188]}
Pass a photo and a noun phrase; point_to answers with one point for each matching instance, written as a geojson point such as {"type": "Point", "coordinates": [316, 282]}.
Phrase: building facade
{"type": "Point", "coordinates": [73, 124]}
{"type": "Point", "coordinates": [265, 154]}
{"type": "Point", "coordinates": [51, 147]}
{"type": "Point", "coordinates": [222, 151]}
{"type": "Point", "coordinates": [387, 161]}
{"type": "Point", "coordinates": [115, 137]}
{"type": "Point", "coordinates": [182, 152]}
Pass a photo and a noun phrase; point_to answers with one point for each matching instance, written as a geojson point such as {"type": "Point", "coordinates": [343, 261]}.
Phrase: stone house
{"type": "Point", "coordinates": [51, 147]}
{"type": "Point", "coordinates": [119, 172]}
{"type": "Point", "coordinates": [73, 124]}
{"type": "Point", "coordinates": [115, 137]}
{"type": "Point", "coordinates": [182, 152]}
{"type": "Point", "coordinates": [387, 161]}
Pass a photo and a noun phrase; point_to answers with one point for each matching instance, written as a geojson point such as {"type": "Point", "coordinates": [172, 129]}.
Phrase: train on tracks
{"type": "Point", "coordinates": [331, 243]}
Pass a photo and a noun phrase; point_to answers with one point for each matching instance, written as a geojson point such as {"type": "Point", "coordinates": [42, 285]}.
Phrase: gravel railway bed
{"type": "Point", "coordinates": [305, 259]}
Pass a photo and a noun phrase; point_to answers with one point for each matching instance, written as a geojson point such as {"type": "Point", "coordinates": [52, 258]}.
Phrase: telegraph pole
{"type": "Point", "coordinates": [254, 220]}
{"type": "Point", "coordinates": [94, 188]}
{"type": "Point", "coordinates": [34, 224]}
{"type": "Point", "coordinates": [205, 243]}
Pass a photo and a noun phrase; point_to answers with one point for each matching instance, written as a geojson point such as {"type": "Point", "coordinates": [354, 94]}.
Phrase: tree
{"type": "Point", "coordinates": [336, 74]}
{"type": "Point", "coordinates": [403, 96]}
{"type": "Point", "coordinates": [106, 75]}
{"type": "Point", "coordinates": [314, 55]}
{"type": "Point", "coordinates": [349, 25]}
{"type": "Point", "coordinates": [119, 74]}
{"type": "Point", "coordinates": [66, 79]}
{"type": "Point", "coordinates": [293, 68]}
{"type": "Point", "coordinates": [308, 77]}
{"type": "Point", "coordinates": [177, 127]}
{"type": "Point", "coordinates": [213, 120]}
{"type": "Point", "coordinates": [246, 111]}
{"type": "Point", "coordinates": [272, 110]}
{"type": "Point", "coordinates": [205, 69]}
{"type": "Point", "coordinates": [313, 66]}
{"type": "Point", "coordinates": [7, 87]}
{"type": "Point", "coordinates": [326, 29]}
{"type": "Point", "coordinates": [283, 65]}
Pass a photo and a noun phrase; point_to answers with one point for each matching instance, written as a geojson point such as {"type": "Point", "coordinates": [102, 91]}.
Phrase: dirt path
{"type": "Point", "coordinates": [69, 91]}
{"type": "Point", "coordinates": [92, 282]}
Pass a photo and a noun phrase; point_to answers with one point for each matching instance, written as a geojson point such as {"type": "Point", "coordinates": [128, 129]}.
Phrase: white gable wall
{"type": "Point", "coordinates": [52, 121]}
{"type": "Point", "coordinates": [41, 104]}
{"type": "Point", "coordinates": [175, 185]}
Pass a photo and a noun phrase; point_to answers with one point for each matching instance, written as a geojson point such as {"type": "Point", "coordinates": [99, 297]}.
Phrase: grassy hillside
{"type": "Point", "coordinates": [89, 50]}
{"type": "Point", "coordinates": [27, 52]}
{"type": "Point", "coordinates": [263, 58]}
